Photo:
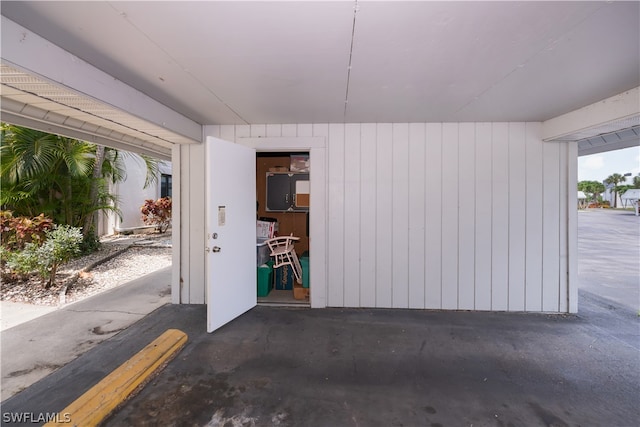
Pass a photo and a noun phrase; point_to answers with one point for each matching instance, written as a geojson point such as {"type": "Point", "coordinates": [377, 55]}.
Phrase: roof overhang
{"type": "Point", "coordinates": [611, 124]}
{"type": "Point", "coordinates": [65, 95]}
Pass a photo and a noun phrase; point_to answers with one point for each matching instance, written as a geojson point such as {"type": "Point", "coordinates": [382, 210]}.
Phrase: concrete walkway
{"type": "Point", "coordinates": [32, 350]}
{"type": "Point", "coordinates": [15, 313]}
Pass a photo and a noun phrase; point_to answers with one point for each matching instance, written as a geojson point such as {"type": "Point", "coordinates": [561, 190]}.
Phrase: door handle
{"type": "Point", "coordinates": [216, 249]}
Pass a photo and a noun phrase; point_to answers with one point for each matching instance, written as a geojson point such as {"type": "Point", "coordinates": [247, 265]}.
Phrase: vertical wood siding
{"type": "Point", "coordinates": [484, 220]}
{"type": "Point", "coordinates": [433, 216]}
{"type": "Point", "coordinates": [384, 215]}
{"type": "Point", "coordinates": [499, 244]}
{"type": "Point", "coordinates": [192, 188]}
{"type": "Point", "coordinates": [335, 238]}
{"type": "Point", "coordinates": [352, 186]}
{"type": "Point", "coordinates": [417, 203]}
{"type": "Point", "coordinates": [468, 216]}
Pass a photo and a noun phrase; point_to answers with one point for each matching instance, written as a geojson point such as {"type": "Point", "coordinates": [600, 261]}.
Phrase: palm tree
{"type": "Point", "coordinates": [64, 178]}
{"type": "Point", "coordinates": [614, 180]}
{"type": "Point", "coordinates": [591, 188]}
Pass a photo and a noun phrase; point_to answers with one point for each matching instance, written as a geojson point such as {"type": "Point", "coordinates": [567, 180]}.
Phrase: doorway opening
{"type": "Point", "coordinates": [282, 207]}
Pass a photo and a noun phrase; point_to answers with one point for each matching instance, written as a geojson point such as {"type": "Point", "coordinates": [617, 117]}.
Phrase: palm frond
{"type": "Point", "coordinates": [78, 156]}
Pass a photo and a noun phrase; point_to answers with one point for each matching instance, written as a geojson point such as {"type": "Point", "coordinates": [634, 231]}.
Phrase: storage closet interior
{"type": "Point", "coordinates": [282, 209]}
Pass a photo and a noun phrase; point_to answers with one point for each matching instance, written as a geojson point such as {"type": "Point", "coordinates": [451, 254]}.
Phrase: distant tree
{"type": "Point", "coordinates": [636, 181]}
{"type": "Point", "coordinates": [591, 188]}
{"type": "Point", "coordinates": [623, 189]}
{"type": "Point", "coordinates": [614, 180]}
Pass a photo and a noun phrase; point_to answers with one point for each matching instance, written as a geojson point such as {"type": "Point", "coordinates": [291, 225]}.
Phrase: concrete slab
{"type": "Point", "coordinates": [32, 350]}
{"type": "Point", "coordinates": [335, 367]}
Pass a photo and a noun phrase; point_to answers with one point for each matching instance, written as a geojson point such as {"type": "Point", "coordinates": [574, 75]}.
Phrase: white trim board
{"type": "Point", "coordinates": [317, 211]}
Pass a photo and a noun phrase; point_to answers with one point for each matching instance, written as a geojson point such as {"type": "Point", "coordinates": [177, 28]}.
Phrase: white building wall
{"type": "Point", "coordinates": [469, 216]}
{"type": "Point", "coordinates": [131, 196]}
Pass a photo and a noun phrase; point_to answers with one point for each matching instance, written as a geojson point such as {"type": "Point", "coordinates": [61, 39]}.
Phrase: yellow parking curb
{"type": "Point", "coordinates": [103, 398]}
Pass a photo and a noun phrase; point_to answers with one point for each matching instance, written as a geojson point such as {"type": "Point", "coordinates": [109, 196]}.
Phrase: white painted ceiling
{"type": "Point", "coordinates": [319, 62]}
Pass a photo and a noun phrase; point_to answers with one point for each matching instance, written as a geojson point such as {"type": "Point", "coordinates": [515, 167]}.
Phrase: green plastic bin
{"type": "Point", "coordinates": [304, 263]}
{"type": "Point", "coordinates": [265, 279]}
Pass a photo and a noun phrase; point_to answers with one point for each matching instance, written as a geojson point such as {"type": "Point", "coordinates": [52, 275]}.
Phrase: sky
{"type": "Point", "coordinates": [597, 167]}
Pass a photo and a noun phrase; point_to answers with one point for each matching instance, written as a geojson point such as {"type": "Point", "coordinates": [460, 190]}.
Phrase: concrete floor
{"type": "Point", "coordinates": [363, 367]}
{"type": "Point", "coordinates": [334, 367]}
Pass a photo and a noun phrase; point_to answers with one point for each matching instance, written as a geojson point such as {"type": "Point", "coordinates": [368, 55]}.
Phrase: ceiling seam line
{"type": "Point", "coordinates": [353, 32]}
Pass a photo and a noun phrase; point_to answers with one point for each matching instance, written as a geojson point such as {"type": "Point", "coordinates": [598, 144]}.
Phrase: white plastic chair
{"type": "Point", "coordinates": [284, 253]}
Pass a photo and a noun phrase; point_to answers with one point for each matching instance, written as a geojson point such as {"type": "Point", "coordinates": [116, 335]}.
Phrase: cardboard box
{"type": "Point", "coordinates": [266, 229]}
{"type": "Point", "coordinates": [302, 191]}
{"type": "Point", "coordinates": [299, 292]}
{"type": "Point", "coordinates": [284, 278]}
{"type": "Point", "coordinates": [279, 169]}
{"type": "Point", "coordinates": [299, 163]}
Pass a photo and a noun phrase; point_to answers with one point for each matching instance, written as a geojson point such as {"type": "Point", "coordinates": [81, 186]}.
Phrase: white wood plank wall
{"type": "Point", "coordinates": [192, 232]}
{"type": "Point", "coordinates": [467, 216]}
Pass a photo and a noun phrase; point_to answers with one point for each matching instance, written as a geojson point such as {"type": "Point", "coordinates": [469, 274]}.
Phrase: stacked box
{"type": "Point", "coordinates": [299, 163]}
{"type": "Point", "coordinates": [266, 229]}
{"type": "Point", "coordinates": [284, 278]}
{"type": "Point", "coordinates": [265, 280]}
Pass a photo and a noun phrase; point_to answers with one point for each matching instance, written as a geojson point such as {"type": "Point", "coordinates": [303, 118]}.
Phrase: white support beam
{"type": "Point", "coordinates": [611, 114]}
{"type": "Point", "coordinates": [135, 146]}
{"type": "Point", "coordinates": [28, 51]}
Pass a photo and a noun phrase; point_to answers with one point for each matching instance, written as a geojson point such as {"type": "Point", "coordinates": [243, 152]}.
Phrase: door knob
{"type": "Point", "coordinates": [216, 249]}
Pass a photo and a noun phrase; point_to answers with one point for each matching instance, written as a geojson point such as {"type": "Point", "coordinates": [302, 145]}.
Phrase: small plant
{"type": "Point", "coordinates": [60, 245]}
{"type": "Point", "coordinates": [157, 213]}
{"type": "Point", "coordinates": [18, 231]}
{"type": "Point", "coordinates": [23, 262]}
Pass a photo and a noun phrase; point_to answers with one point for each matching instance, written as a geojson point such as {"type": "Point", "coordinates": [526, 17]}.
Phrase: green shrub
{"type": "Point", "coordinates": [25, 261]}
{"type": "Point", "coordinates": [4, 256]}
{"type": "Point", "coordinates": [60, 245]}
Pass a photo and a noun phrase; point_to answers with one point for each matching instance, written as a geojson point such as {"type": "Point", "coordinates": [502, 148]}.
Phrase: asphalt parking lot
{"type": "Point", "coordinates": [609, 255]}
{"type": "Point", "coordinates": [362, 367]}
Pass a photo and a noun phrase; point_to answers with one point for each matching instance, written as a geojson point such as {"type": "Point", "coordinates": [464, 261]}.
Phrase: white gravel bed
{"type": "Point", "coordinates": [133, 263]}
{"type": "Point", "coordinates": [94, 274]}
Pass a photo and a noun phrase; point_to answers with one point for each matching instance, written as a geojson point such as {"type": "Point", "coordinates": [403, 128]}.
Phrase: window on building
{"type": "Point", "coordinates": [165, 185]}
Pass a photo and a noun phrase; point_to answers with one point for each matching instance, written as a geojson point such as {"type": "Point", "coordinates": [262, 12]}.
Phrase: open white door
{"type": "Point", "coordinates": [231, 231]}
